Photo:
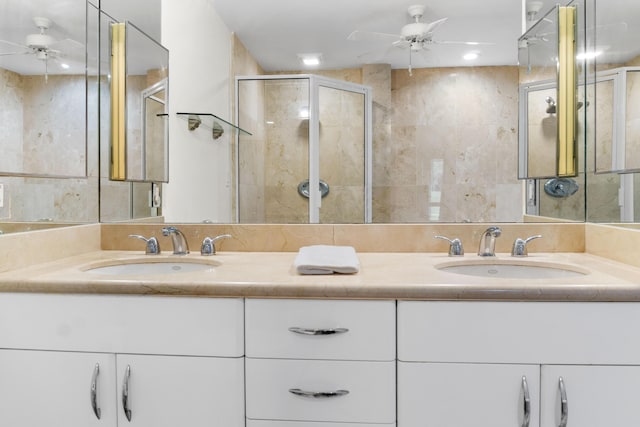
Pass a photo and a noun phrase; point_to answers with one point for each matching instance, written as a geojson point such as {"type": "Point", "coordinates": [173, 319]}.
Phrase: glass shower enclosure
{"type": "Point", "coordinates": [308, 159]}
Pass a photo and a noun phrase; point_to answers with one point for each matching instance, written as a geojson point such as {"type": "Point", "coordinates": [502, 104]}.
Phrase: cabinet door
{"type": "Point", "coordinates": [467, 395]}
{"type": "Point", "coordinates": [48, 388]}
{"type": "Point", "coordinates": [180, 391]}
{"type": "Point", "coordinates": [596, 396]}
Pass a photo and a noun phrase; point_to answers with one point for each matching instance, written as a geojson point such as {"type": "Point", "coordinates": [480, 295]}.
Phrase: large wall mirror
{"type": "Point", "coordinates": [42, 68]}
{"type": "Point", "coordinates": [431, 155]}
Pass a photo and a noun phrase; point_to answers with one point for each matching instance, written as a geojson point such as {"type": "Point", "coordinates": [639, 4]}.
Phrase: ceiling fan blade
{"type": "Point", "coordinates": [14, 44]}
{"type": "Point", "coordinates": [451, 42]}
{"type": "Point", "coordinates": [401, 44]}
{"type": "Point", "coordinates": [431, 26]}
{"type": "Point", "coordinates": [68, 43]}
{"type": "Point", "coordinates": [14, 53]}
{"type": "Point", "coordinates": [358, 35]}
{"type": "Point", "coordinates": [377, 54]}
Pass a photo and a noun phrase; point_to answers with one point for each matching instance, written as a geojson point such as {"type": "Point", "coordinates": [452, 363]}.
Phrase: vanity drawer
{"type": "Point", "coordinates": [123, 324]}
{"type": "Point", "coordinates": [519, 332]}
{"type": "Point", "coordinates": [320, 329]}
{"type": "Point", "coordinates": [370, 386]}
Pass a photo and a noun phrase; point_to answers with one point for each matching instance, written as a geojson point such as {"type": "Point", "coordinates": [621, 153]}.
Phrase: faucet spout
{"type": "Point", "coordinates": [488, 241]}
{"type": "Point", "coordinates": [180, 245]}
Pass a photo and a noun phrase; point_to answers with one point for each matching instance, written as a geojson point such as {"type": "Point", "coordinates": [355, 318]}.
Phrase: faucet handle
{"type": "Point", "coordinates": [520, 246]}
{"type": "Point", "coordinates": [208, 244]}
{"type": "Point", "coordinates": [153, 247]}
{"type": "Point", "coordinates": [455, 245]}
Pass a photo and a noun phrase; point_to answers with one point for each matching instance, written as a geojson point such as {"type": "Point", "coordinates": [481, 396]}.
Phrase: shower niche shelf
{"type": "Point", "coordinates": [217, 125]}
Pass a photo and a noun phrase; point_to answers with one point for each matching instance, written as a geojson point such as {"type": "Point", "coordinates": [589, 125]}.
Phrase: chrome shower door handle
{"type": "Point", "coordinates": [318, 394]}
{"type": "Point", "coordinates": [564, 405]}
{"type": "Point", "coordinates": [125, 393]}
{"type": "Point", "coordinates": [525, 404]}
{"type": "Point", "coordinates": [93, 393]}
{"type": "Point", "coordinates": [311, 331]}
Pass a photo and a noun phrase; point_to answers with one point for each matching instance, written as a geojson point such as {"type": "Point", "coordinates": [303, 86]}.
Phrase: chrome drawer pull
{"type": "Point", "coordinates": [526, 403]}
{"type": "Point", "coordinates": [93, 394]}
{"type": "Point", "coordinates": [564, 404]}
{"type": "Point", "coordinates": [309, 331]}
{"type": "Point", "coordinates": [318, 394]}
{"type": "Point", "coordinates": [125, 393]}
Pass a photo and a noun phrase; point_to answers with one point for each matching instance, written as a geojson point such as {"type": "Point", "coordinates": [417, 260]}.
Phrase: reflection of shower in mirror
{"type": "Point", "coordinates": [551, 105]}
{"type": "Point", "coordinates": [551, 108]}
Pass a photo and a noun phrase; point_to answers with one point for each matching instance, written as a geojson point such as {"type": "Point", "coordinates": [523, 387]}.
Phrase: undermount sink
{"type": "Point", "coordinates": [151, 266]}
{"type": "Point", "coordinates": [509, 269]}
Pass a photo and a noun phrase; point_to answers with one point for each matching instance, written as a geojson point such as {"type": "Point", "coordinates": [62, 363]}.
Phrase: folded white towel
{"type": "Point", "coordinates": [327, 259]}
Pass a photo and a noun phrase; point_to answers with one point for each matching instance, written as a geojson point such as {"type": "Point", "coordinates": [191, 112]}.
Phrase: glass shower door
{"type": "Point", "coordinates": [341, 155]}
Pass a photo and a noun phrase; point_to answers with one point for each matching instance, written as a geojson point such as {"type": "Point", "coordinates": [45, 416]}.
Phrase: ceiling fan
{"type": "Point", "coordinates": [42, 45]}
{"type": "Point", "coordinates": [414, 37]}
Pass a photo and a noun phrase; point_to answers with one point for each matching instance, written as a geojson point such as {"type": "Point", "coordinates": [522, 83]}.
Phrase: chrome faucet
{"type": "Point", "coordinates": [152, 248]}
{"type": "Point", "coordinates": [180, 246]}
{"type": "Point", "coordinates": [520, 246]}
{"type": "Point", "coordinates": [208, 244]}
{"type": "Point", "coordinates": [488, 241]}
{"type": "Point", "coordinates": [455, 245]}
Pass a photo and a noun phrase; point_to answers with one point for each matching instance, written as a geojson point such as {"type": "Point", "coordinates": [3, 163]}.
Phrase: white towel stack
{"type": "Point", "coordinates": [327, 259]}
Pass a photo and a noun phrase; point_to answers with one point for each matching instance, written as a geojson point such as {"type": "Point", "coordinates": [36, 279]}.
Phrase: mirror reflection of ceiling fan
{"type": "Point", "coordinates": [415, 37]}
{"type": "Point", "coordinates": [43, 46]}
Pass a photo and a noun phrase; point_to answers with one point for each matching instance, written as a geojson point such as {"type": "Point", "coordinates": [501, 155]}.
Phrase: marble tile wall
{"type": "Point", "coordinates": [452, 153]}
{"type": "Point", "coordinates": [40, 136]}
{"type": "Point", "coordinates": [36, 128]}
{"type": "Point", "coordinates": [363, 237]}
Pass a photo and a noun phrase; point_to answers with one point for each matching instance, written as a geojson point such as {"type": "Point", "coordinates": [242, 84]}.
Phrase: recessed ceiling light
{"type": "Point", "coordinates": [470, 56]}
{"type": "Point", "coordinates": [65, 66]}
{"type": "Point", "coordinates": [587, 55]}
{"type": "Point", "coordinates": [310, 59]}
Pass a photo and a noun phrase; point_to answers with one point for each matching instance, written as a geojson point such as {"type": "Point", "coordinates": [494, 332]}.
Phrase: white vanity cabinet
{"type": "Point", "coordinates": [465, 361]}
{"type": "Point", "coordinates": [325, 362]}
{"type": "Point", "coordinates": [45, 388]}
{"type": "Point", "coordinates": [163, 361]}
{"type": "Point", "coordinates": [461, 394]}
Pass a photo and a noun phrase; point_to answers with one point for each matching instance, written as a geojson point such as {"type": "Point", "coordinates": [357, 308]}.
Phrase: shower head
{"type": "Point", "coordinates": [551, 108]}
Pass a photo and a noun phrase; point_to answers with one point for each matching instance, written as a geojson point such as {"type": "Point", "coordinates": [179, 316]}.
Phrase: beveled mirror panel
{"type": "Point", "coordinates": [547, 133]}
{"type": "Point", "coordinates": [139, 89]}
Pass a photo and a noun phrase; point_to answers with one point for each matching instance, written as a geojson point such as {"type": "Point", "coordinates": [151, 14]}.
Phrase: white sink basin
{"type": "Point", "coordinates": [512, 269]}
{"type": "Point", "coordinates": [151, 266]}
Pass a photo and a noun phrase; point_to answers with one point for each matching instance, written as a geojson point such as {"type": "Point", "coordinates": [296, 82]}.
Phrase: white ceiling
{"type": "Point", "coordinates": [276, 31]}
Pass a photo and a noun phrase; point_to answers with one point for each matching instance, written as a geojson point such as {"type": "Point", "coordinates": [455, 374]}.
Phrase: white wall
{"type": "Point", "coordinates": [199, 185]}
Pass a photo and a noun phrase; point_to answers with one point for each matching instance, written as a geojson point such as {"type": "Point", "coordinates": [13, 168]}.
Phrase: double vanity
{"type": "Point", "coordinates": [109, 336]}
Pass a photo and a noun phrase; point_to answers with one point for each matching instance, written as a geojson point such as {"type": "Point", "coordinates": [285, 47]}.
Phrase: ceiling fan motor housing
{"type": "Point", "coordinates": [39, 41]}
{"type": "Point", "coordinates": [414, 32]}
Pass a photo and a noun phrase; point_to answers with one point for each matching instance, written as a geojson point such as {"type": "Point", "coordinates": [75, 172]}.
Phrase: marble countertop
{"type": "Point", "coordinates": [382, 276]}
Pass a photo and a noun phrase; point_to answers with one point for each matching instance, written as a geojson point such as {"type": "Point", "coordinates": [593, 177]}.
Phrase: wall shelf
{"type": "Point", "coordinates": [210, 121]}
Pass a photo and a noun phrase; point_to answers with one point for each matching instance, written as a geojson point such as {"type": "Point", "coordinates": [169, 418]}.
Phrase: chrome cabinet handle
{"type": "Point", "coordinates": [318, 394]}
{"type": "Point", "coordinates": [125, 393]}
{"type": "Point", "coordinates": [526, 402]}
{"type": "Point", "coordinates": [309, 331]}
{"type": "Point", "coordinates": [564, 405]}
{"type": "Point", "coordinates": [93, 393]}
